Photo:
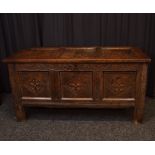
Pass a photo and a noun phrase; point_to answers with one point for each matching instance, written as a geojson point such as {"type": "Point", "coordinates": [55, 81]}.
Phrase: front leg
{"type": "Point", "coordinates": [140, 94]}
{"type": "Point", "coordinates": [138, 115]}
{"type": "Point", "coordinates": [14, 79]}
{"type": "Point", "coordinates": [20, 113]}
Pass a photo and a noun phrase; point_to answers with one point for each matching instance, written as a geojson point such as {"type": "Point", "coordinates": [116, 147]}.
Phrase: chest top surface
{"type": "Point", "coordinates": [78, 55]}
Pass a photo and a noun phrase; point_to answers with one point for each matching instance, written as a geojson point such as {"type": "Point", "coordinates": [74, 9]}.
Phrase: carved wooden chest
{"type": "Point", "coordinates": [87, 77]}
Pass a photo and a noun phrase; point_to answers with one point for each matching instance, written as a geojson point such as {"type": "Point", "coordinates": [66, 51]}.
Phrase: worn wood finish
{"type": "Point", "coordinates": [16, 92]}
{"type": "Point", "coordinates": [86, 77]}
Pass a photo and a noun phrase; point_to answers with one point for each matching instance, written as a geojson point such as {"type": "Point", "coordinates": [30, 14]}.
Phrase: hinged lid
{"type": "Point", "coordinates": [78, 55]}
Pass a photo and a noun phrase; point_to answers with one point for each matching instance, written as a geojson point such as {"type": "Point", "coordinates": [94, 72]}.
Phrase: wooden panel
{"type": "Point", "coordinates": [119, 85]}
{"type": "Point", "coordinates": [76, 85]}
{"type": "Point", "coordinates": [35, 85]}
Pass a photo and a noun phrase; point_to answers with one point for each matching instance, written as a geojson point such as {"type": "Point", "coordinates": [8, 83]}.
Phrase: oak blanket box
{"type": "Point", "coordinates": [79, 77]}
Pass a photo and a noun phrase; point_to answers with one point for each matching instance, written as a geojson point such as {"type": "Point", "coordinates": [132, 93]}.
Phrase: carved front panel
{"type": "Point", "coordinates": [76, 85]}
{"type": "Point", "coordinates": [119, 84]}
{"type": "Point", "coordinates": [35, 84]}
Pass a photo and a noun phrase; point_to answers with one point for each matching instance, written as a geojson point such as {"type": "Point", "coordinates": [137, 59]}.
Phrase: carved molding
{"type": "Point", "coordinates": [77, 67]}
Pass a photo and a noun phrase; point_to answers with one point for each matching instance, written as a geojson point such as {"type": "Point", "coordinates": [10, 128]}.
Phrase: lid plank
{"type": "Point", "coordinates": [78, 55]}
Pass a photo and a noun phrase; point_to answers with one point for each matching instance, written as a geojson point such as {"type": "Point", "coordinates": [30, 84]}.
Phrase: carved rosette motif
{"type": "Point", "coordinates": [75, 86]}
{"type": "Point", "coordinates": [35, 85]}
{"type": "Point", "coordinates": [119, 84]}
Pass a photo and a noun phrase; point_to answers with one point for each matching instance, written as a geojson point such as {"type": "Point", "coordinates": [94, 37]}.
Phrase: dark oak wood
{"type": "Point", "coordinates": [87, 77]}
{"type": "Point", "coordinates": [78, 55]}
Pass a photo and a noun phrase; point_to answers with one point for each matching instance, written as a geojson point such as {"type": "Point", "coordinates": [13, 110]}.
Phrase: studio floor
{"type": "Point", "coordinates": [75, 124]}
